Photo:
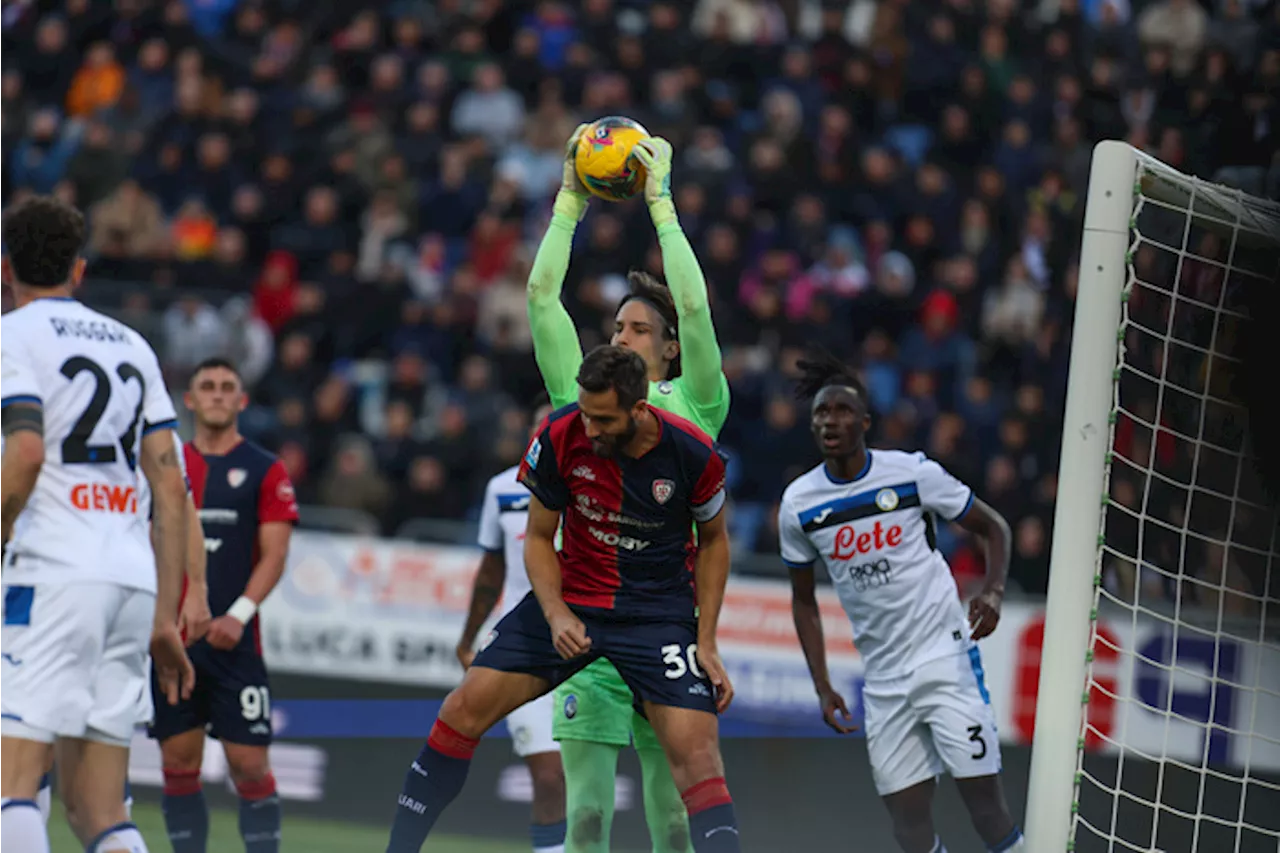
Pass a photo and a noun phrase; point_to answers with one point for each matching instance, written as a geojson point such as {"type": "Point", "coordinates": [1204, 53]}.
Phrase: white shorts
{"type": "Point", "coordinates": [76, 661]}
{"type": "Point", "coordinates": [937, 718]}
{"type": "Point", "coordinates": [530, 727]}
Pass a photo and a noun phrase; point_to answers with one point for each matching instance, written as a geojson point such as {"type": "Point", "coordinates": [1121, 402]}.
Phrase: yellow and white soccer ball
{"type": "Point", "coordinates": [603, 159]}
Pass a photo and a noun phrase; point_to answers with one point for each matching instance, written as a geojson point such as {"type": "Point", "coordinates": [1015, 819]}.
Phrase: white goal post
{"type": "Point", "coordinates": [1161, 624]}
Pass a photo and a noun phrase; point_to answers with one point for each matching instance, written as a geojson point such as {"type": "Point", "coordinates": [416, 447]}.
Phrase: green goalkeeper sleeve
{"type": "Point", "coordinates": [555, 339]}
{"type": "Point", "coordinates": [702, 376]}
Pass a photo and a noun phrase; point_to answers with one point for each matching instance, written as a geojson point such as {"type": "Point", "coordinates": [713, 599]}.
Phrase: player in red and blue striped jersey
{"type": "Point", "coordinates": [630, 583]}
{"type": "Point", "coordinates": [247, 509]}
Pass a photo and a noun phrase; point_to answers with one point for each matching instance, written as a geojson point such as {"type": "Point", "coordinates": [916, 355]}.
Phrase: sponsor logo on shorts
{"type": "Point", "coordinates": [663, 490]}
{"type": "Point", "coordinates": [236, 477]}
{"type": "Point", "coordinates": [570, 706]}
{"type": "Point", "coordinates": [699, 689]}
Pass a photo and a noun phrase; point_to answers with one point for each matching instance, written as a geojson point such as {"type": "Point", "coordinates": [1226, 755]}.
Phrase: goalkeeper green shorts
{"type": "Point", "coordinates": [596, 706]}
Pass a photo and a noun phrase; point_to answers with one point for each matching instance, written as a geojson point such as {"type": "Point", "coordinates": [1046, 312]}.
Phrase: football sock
{"type": "Point", "coordinates": [664, 811]}
{"type": "Point", "coordinates": [1010, 844]}
{"type": "Point", "coordinates": [121, 838]}
{"type": "Point", "coordinates": [547, 837]}
{"type": "Point", "coordinates": [128, 799]}
{"type": "Point", "coordinates": [712, 823]}
{"type": "Point", "coordinates": [589, 773]}
{"type": "Point", "coordinates": [432, 782]}
{"type": "Point", "coordinates": [22, 827]}
{"type": "Point", "coordinates": [937, 846]}
{"type": "Point", "coordinates": [44, 798]}
{"type": "Point", "coordinates": [259, 815]}
{"type": "Point", "coordinates": [185, 815]}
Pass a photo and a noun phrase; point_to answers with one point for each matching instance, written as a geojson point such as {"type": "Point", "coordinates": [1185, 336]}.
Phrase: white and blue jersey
{"type": "Point", "coordinates": [874, 534]}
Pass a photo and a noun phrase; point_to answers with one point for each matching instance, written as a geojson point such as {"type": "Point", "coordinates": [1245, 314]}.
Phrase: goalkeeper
{"type": "Point", "coordinates": [670, 326]}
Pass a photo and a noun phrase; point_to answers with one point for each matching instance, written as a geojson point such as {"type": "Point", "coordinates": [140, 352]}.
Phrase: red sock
{"type": "Point", "coordinates": [446, 741]}
{"type": "Point", "coordinates": [181, 783]}
{"type": "Point", "coordinates": [257, 789]}
{"type": "Point", "coordinates": [707, 794]}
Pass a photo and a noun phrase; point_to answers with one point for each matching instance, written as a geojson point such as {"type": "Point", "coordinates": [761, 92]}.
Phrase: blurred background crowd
{"type": "Point", "coordinates": [345, 198]}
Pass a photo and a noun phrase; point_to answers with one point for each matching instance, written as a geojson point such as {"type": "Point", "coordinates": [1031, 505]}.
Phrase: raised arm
{"type": "Point", "coordinates": [699, 349]}
{"type": "Point", "coordinates": [556, 347]}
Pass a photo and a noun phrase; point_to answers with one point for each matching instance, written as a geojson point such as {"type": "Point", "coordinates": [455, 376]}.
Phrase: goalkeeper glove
{"type": "Point", "coordinates": [571, 200]}
{"type": "Point", "coordinates": [655, 155]}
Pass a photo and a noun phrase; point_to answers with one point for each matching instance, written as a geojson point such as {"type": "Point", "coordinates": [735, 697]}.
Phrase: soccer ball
{"type": "Point", "coordinates": [603, 159]}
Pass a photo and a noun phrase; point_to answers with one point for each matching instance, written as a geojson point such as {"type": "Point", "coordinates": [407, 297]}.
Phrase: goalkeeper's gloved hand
{"type": "Point", "coordinates": [654, 154]}
{"type": "Point", "coordinates": [571, 200]}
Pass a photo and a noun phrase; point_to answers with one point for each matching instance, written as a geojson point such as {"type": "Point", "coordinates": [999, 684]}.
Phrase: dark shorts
{"type": "Point", "coordinates": [655, 659]}
{"type": "Point", "coordinates": [231, 699]}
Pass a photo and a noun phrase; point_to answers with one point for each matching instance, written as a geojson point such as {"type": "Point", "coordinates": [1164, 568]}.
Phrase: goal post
{"type": "Point", "coordinates": [1149, 439]}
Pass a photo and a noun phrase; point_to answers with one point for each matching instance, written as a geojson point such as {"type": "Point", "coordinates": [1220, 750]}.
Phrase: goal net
{"type": "Point", "coordinates": [1158, 715]}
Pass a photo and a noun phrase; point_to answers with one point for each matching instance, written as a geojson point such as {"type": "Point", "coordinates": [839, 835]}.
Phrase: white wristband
{"type": "Point", "coordinates": [243, 609]}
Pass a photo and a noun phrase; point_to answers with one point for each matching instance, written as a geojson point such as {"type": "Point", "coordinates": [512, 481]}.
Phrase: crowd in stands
{"type": "Point", "coordinates": [345, 198]}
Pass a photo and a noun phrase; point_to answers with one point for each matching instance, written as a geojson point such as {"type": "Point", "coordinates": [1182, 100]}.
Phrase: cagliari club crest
{"type": "Point", "coordinates": [663, 490]}
{"type": "Point", "coordinates": [236, 477]}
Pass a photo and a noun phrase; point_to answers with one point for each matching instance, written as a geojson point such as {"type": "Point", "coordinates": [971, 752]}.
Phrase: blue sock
{"type": "Point", "coordinates": [260, 815]}
{"type": "Point", "coordinates": [548, 836]}
{"type": "Point", "coordinates": [186, 817]}
{"type": "Point", "coordinates": [713, 827]}
{"type": "Point", "coordinates": [431, 784]}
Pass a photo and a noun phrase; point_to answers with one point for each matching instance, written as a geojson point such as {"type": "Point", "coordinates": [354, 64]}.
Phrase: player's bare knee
{"type": "Point", "coordinates": [696, 764]}
{"type": "Point", "coordinates": [587, 826]}
{"type": "Point", "coordinates": [249, 768]}
{"type": "Point", "coordinates": [548, 781]}
{"type": "Point", "coordinates": [464, 714]}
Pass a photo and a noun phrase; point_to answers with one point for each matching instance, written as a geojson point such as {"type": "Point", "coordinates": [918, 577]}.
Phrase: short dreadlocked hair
{"type": "Point", "coordinates": [657, 296]}
{"type": "Point", "coordinates": [820, 369]}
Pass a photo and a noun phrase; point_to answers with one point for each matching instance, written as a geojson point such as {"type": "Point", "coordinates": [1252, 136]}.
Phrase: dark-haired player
{"type": "Point", "coordinates": [248, 510]}
{"type": "Point", "coordinates": [504, 517]}
{"type": "Point", "coordinates": [629, 482]}
{"type": "Point", "coordinates": [85, 595]}
{"type": "Point", "coordinates": [672, 331]}
{"type": "Point", "coordinates": [868, 516]}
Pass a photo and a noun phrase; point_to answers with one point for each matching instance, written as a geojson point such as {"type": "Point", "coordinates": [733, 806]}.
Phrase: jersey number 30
{"type": "Point", "coordinates": [76, 449]}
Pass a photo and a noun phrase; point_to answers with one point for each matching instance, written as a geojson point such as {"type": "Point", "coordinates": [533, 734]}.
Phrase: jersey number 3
{"type": "Point", "coordinates": [76, 449]}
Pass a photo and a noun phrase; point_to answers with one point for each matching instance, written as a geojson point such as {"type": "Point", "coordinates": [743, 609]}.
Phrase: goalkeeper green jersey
{"type": "Point", "coordinates": [595, 705]}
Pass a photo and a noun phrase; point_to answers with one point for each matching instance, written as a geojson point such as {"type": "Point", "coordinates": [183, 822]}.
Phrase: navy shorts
{"type": "Point", "coordinates": [231, 699]}
{"type": "Point", "coordinates": [655, 659]}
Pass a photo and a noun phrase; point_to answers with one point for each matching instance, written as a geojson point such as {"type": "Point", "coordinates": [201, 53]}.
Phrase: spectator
{"type": "Point", "coordinates": [130, 218]}
{"type": "Point", "coordinates": [97, 84]}
{"type": "Point", "coordinates": [193, 332]}
{"type": "Point", "coordinates": [352, 482]}
{"type": "Point", "coordinates": [489, 109]}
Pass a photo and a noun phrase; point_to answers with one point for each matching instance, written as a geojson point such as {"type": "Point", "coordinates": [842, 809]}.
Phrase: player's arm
{"type": "Point", "coordinates": [163, 470]}
{"type": "Point", "coordinates": [485, 592]}
{"type": "Point", "coordinates": [711, 570]}
{"type": "Point", "coordinates": [23, 428]}
{"type": "Point", "coordinates": [277, 514]}
{"type": "Point", "coordinates": [992, 531]}
{"type": "Point", "coordinates": [556, 347]}
{"type": "Point", "coordinates": [700, 351]}
{"type": "Point", "coordinates": [799, 555]}
{"type": "Point", "coordinates": [945, 496]}
{"type": "Point", "coordinates": [568, 634]}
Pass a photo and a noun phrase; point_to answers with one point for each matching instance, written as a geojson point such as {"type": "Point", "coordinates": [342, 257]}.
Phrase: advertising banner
{"type": "Point", "coordinates": [380, 610]}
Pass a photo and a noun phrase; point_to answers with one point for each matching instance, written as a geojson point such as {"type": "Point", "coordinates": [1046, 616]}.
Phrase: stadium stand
{"type": "Point", "coordinates": [343, 197]}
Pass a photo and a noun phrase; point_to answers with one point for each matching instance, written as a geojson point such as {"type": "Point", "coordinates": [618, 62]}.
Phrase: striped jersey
{"type": "Point", "coordinates": [875, 535]}
{"type": "Point", "coordinates": [628, 524]}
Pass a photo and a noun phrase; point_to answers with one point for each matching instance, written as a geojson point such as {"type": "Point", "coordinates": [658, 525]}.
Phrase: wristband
{"type": "Point", "coordinates": [570, 204]}
{"type": "Point", "coordinates": [663, 212]}
{"type": "Point", "coordinates": [243, 609]}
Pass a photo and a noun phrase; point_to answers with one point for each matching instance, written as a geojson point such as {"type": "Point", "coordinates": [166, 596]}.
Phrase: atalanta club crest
{"type": "Point", "coordinates": [663, 490]}
{"type": "Point", "coordinates": [236, 477]}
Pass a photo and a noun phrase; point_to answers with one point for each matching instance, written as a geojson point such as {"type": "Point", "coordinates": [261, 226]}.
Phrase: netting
{"type": "Point", "coordinates": [1181, 745]}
